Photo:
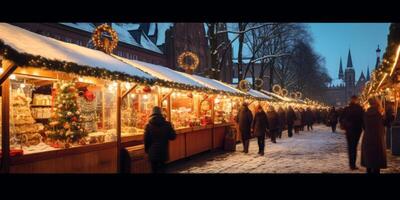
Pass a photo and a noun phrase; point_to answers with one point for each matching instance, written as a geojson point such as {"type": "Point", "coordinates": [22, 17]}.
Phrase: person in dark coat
{"type": "Point", "coordinates": [309, 119]}
{"type": "Point", "coordinates": [273, 122]}
{"type": "Point", "coordinates": [303, 118]}
{"type": "Point", "coordinates": [388, 120]}
{"type": "Point", "coordinates": [260, 126]}
{"type": "Point", "coordinates": [333, 119]}
{"type": "Point", "coordinates": [157, 134]}
{"type": "Point", "coordinates": [290, 118]}
{"type": "Point", "coordinates": [244, 120]}
{"type": "Point", "coordinates": [282, 121]}
{"type": "Point", "coordinates": [352, 122]}
{"type": "Point", "coordinates": [373, 146]}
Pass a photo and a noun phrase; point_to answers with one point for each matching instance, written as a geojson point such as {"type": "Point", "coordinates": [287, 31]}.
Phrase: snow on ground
{"type": "Point", "coordinates": [318, 151]}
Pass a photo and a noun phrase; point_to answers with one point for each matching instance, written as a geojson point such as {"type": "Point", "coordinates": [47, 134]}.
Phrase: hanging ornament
{"type": "Point", "coordinates": [147, 89]}
{"type": "Point", "coordinates": [293, 95]}
{"type": "Point", "coordinates": [244, 85]}
{"type": "Point", "coordinates": [89, 96]}
{"type": "Point", "coordinates": [277, 89]}
{"type": "Point", "coordinates": [259, 82]}
{"type": "Point", "coordinates": [102, 42]}
{"type": "Point", "coordinates": [188, 67]}
{"type": "Point", "coordinates": [285, 92]}
{"type": "Point", "coordinates": [299, 95]}
{"type": "Point", "coordinates": [190, 95]}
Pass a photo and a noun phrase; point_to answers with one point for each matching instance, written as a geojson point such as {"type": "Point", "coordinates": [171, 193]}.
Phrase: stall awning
{"type": "Point", "coordinates": [171, 77]}
{"type": "Point", "coordinates": [26, 48]}
{"type": "Point", "coordinates": [278, 97]}
{"type": "Point", "coordinates": [212, 83]}
{"type": "Point", "coordinates": [257, 94]}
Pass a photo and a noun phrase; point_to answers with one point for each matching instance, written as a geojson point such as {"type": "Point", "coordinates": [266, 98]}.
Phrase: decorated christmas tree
{"type": "Point", "coordinates": [65, 122]}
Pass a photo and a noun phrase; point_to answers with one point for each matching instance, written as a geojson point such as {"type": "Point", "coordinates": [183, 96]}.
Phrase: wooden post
{"type": "Point", "coordinates": [5, 128]}
{"type": "Point", "coordinates": [119, 99]}
{"type": "Point", "coordinates": [8, 68]}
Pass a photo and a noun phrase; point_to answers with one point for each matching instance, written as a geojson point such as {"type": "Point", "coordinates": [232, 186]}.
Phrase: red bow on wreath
{"type": "Point", "coordinates": [89, 96]}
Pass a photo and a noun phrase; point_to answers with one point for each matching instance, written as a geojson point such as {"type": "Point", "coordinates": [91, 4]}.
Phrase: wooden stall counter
{"type": "Point", "coordinates": [219, 134]}
{"type": "Point", "coordinates": [199, 140]}
{"type": "Point", "coordinates": [95, 158]}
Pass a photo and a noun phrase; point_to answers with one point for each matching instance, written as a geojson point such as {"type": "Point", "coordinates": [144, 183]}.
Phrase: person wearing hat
{"type": "Point", "coordinates": [157, 134]}
{"type": "Point", "coordinates": [244, 120]}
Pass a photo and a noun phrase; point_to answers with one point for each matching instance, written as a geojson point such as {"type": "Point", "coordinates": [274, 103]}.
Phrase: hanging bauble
{"type": "Point", "coordinates": [244, 85]}
{"type": "Point", "coordinates": [293, 95]}
{"type": "Point", "coordinates": [188, 67]}
{"type": "Point", "coordinates": [259, 82]}
{"type": "Point", "coordinates": [146, 89]}
{"type": "Point", "coordinates": [299, 95]}
{"type": "Point", "coordinates": [89, 96]}
{"type": "Point", "coordinates": [277, 89]}
{"type": "Point", "coordinates": [102, 42]}
{"type": "Point", "coordinates": [285, 92]}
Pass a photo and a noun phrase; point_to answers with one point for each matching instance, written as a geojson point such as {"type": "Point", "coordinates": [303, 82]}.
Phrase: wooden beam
{"type": "Point", "coordinates": [5, 128]}
{"type": "Point", "coordinates": [167, 95]}
{"type": "Point", "coordinates": [119, 100]}
{"type": "Point", "coordinates": [8, 68]}
{"type": "Point", "coordinates": [128, 91]}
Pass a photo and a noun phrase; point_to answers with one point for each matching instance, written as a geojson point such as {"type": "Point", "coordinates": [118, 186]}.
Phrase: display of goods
{"type": "Point", "coordinates": [23, 127]}
{"type": "Point", "coordinates": [41, 99]}
{"type": "Point", "coordinates": [88, 114]}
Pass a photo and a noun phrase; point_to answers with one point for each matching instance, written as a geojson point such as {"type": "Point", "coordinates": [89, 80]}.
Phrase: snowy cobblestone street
{"type": "Point", "coordinates": [319, 151]}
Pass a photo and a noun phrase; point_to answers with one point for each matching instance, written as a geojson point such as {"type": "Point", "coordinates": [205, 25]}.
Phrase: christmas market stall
{"type": "Point", "coordinates": [60, 103]}
{"type": "Point", "coordinates": [225, 105]}
{"type": "Point", "coordinates": [189, 103]}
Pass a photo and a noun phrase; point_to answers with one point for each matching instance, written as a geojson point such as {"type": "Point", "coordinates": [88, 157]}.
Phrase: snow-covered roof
{"type": "Point", "coordinates": [162, 28]}
{"type": "Point", "coordinates": [122, 30]}
{"type": "Point", "coordinates": [123, 34]}
{"type": "Point", "coordinates": [162, 73]}
{"type": "Point", "coordinates": [276, 96]}
{"type": "Point", "coordinates": [24, 41]}
{"type": "Point", "coordinates": [89, 27]}
{"type": "Point", "coordinates": [336, 82]}
{"type": "Point", "coordinates": [148, 44]}
{"type": "Point", "coordinates": [258, 94]}
{"type": "Point", "coordinates": [214, 84]}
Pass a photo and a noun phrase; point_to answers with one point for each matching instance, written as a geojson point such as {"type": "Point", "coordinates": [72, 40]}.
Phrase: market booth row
{"type": "Point", "coordinates": [67, 108]}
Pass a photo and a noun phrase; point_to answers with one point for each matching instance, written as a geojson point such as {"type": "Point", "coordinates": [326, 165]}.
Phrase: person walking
{"type": "Point", "coordinates": [309, 119]}
{"type": "Point", "coordinates": [303, 119]}
{"type": "Point", "coordinates": [244, 120]}
{"type": "Point", "coordinates": [290, 118]}
{"type": "Point", "coordinates": [282, 121]}
{"type": "Point", "coordinates": [333, 119]}
{"type": "Point", "coordinates": [352, 122]}
{"type": "Point", "coordinates": [297, 122]}
{"type": "Point", "coordinates": [157, 134]}
{"type": "Point", "coordinates": [388, 120]}
{"type": "Point", "coordinates": [260, 126]}
{"type": "Point", "coordinates": [273, 122]}
{"type": "Point", "coordinates": [373, 146]}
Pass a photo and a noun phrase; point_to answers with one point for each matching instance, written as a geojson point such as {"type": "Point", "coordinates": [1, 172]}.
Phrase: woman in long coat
{"type": "Point", "coordinates": [273, 122]}
{"type": "Point", "coordinates": [373, 146]}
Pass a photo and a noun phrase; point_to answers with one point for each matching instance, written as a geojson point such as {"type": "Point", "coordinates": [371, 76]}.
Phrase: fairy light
{"type": "Point", "coordinates": [13, 77]}
{"type": "Point", "coordinates": [1, 70]}
{"type": "Point", "coordinates": [395, 60]}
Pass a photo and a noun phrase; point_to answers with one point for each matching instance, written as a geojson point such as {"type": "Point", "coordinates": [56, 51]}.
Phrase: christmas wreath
{"type": "Point", "coordinates": [244, 85]}
{"type": "Point", "coordinates": [187, 66]}
{"type": "Point", "coordinates": [103, 43]}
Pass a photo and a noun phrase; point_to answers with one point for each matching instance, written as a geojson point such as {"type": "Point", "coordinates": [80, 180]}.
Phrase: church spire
{"type": "Point", "coordinates": [349, 61]}
{"type": "Point", "coordinates": [362, 77]}
{"type": "Point", "coordinates": [341, 76]}
{"type": "Point", "coordinates": [378, 57]}
{"type": "Point", "coordinates": [368, 77]}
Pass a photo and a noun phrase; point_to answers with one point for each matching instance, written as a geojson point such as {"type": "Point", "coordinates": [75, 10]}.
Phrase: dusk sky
{"type": "Point", "coordinates": [333, 40]}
